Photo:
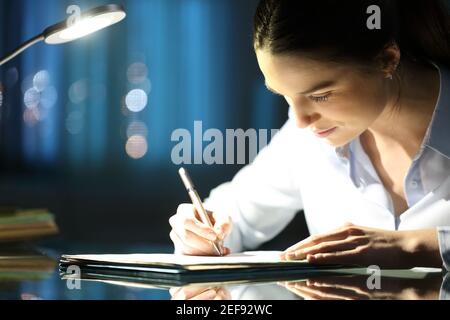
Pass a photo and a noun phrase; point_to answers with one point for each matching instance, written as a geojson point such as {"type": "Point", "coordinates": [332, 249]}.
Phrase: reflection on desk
{"type": "Point", "coordinates": [356, 288]}
{"type": "Point", "coordinates": [50, 286]}
{"type": "Point", "coordinates": [422, 284]}
{"type": "Point", "coordinates": [347, 287]}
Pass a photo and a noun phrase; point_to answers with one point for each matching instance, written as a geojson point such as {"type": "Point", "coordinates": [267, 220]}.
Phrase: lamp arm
{"type": "Point", "coordinates": [23, 47]}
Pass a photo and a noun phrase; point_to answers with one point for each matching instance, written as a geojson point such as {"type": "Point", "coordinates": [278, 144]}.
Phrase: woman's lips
{"type": "Point", "coordinates": [324, 133]}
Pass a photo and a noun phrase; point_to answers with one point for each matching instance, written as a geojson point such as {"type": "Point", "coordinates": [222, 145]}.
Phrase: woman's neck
{"type": "Point", "coordinates": [410, 108]}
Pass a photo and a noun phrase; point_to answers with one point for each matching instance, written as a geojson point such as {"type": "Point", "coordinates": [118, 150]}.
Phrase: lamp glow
{"type": "Point", "coordinates": [90, 22]}
{"type": "Point", "coordinates": [84, 27]}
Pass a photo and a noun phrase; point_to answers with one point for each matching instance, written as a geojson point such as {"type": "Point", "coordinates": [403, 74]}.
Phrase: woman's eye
{"type": "Point", "coordinates": [322, 98]}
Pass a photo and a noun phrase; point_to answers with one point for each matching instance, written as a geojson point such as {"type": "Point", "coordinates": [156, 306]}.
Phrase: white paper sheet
{"type": "Point", "coordinates": [244, 258]}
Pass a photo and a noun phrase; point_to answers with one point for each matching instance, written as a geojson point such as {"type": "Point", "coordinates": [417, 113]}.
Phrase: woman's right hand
{"type": "Point", "coordinates": [193, 237]}
{"type": "Point", "coordinates": [200, 293]}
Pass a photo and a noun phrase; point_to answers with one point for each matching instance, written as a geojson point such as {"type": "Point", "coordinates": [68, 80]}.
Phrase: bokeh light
{"type": "Point", "coordinates": [41, 80]}
{"type": "Point", "coordinates": [27, 83]}
{"type": "Point", "coordinates": [31, 116]}
{"type": "Point", "coordinates": [32, 98]}
{"type": "Point", "coordinates": [49, 97]}
{"type": "Point", "coordinates": [136, 100]}
{"type": "Point", "coordinates": [137, 128]}
{"type": "Point", "coordinates": [75, 122]}
{"type": "Point", "coordinates": [137, 73]}
{"type": "Point", "coordinates": [136, 147]}
{"type": "Point", "coordinates": [78, 91]}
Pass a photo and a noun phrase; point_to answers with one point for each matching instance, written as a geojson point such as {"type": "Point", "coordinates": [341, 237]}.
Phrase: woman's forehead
{"type": "Point", "coordinates": [294, 72]}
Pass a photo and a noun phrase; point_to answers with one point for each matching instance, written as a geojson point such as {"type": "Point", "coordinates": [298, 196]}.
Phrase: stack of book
{"type": "Point", "coordinates": [19, 262]}
{"type": "Point", "coordinates": [19, 224]}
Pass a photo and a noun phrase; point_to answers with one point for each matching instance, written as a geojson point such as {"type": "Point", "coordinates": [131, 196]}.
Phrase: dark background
{"type": "Point", "coordinates": [67, 152]}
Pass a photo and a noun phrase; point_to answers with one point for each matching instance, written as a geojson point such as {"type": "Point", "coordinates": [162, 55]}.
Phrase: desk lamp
{"type": "Point", "coordinates": [89, 22]}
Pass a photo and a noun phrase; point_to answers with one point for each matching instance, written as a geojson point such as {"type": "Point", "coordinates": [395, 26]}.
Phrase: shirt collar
{"type": "Point", "coordinates": [439, 130]}
{"type": "Point", "coordinates": [438, 133]}
{"type": "Point", "coordinates": [343, 151]}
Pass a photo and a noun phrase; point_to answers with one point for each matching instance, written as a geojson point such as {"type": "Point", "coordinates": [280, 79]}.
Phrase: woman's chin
{"type": "Point", "coordinates": [337, 142]}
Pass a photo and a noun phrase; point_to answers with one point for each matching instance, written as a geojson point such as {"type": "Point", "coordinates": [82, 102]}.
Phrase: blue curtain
{"type": "Point", "coordinates": [190, 60]}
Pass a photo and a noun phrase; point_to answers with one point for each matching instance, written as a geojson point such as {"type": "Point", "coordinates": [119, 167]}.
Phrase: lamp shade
{"type": "Point", "coordinates": [89, 22]}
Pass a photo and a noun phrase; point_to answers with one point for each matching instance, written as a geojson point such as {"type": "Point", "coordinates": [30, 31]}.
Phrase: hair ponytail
{"type": "Point", "coordinates": [424, 31]}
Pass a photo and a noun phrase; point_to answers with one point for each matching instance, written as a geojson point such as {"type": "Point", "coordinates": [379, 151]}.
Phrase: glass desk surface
{"type": "Point", "coordinates": [40, 279]}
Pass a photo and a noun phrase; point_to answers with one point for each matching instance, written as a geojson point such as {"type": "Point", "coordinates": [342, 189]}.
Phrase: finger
{"type": "Point", "coordinates": [223, 294]}
{"type": "Point", "coordinates": [195, 245]}
{"type": "Point", "coordinates": [301, 283]}
{"type": "Point", "coordinates": [187, 210]}
{"type": "Point", "coordinates": [186, 218]}
{"type": "Point", "coordinates": [312, 240]}
{"type": "Point", "coordinates": [349, 257]}
{"type": "Point", "coordinates": [184, 293]}
{"type": "Point", "coordinates": [324, 247]}
{"type": "Point", "coordinates": [287, 285]}
{"type": "Point", "coordinates": [226, 251]}
{"type": "Point", "coordinates": [318, 293]}
{"type": "Point", "coordinates": [338, 234]}
{"type": "Point", "coordinates": [188, 248]}
{"type": "Point", "coordinates": [347, 281]}
{"type": "Point", "coordinates": [191, 238]}
{"type": "Point", "coordinates": [200, 229]}
{"type": "Point", "coordinates": [222, 225]}
{"type": "Point", "coordinates": [173, 291]}
{"type": "Point", "coordinates": [206, 295]}
{"type": "Point", "coordinates": [181, 247]}
{"type": "Point", "coordinates": [333, 288]}
{"type": "Point", "coordinates": [299, 251]}
{"type": "Point", "coordinates": [328, 287]}
{"type": "Point", "coordinates": [302, 293]}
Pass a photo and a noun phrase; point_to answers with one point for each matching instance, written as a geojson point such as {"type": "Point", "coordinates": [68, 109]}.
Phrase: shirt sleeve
{"type": "Point", "coordinates": [263, 197]}
{"type": "Point", "coordinates": [444, 245]}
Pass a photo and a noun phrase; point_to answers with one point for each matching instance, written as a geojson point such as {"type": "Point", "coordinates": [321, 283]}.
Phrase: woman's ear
{"type": "Point", "coordinates": [389, 60]}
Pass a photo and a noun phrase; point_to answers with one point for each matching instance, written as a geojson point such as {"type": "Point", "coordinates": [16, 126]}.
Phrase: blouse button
{"type": "Point", "coordinates": [414, 184]}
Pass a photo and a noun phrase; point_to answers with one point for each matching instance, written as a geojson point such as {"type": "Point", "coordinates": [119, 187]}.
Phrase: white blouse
{"type": "Point", "coordinates": [337, 185]}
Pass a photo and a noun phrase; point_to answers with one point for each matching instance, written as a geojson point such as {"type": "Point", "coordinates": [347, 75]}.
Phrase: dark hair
{"type": "Point", "coordinates": [337, 29]}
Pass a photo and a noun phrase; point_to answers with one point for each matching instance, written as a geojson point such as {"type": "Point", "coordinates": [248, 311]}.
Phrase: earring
{"type": "Point", "coordinates": [391, 75]}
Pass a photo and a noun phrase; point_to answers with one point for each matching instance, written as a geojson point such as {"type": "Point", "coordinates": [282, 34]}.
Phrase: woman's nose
{"type": "Point", "coordinates": [304, 118]}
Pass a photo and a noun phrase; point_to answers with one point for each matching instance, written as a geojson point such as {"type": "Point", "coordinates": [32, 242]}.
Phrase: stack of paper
{"type": "Point", "coordinates": [17, 225]}
{"type": "Point", "coordinates": [183, 262]}
{"type": "Point", "coordinates": [172, 269]}
{"type": "Point", "coordinates": [19, 263]}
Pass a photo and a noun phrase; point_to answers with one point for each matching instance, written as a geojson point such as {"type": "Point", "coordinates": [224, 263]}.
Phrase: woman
{"type": "Point", "coordinates": [366, 149]}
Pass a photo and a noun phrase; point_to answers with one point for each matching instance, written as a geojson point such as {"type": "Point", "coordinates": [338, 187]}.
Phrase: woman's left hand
{"type": "Point", "coordinates": [354, 287]}
{"type": "Point", "coordinates": [362, 246]}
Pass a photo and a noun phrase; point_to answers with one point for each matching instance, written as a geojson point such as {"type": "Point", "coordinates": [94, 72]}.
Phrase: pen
{"type": "Point", "coordinates": [197, 203]}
